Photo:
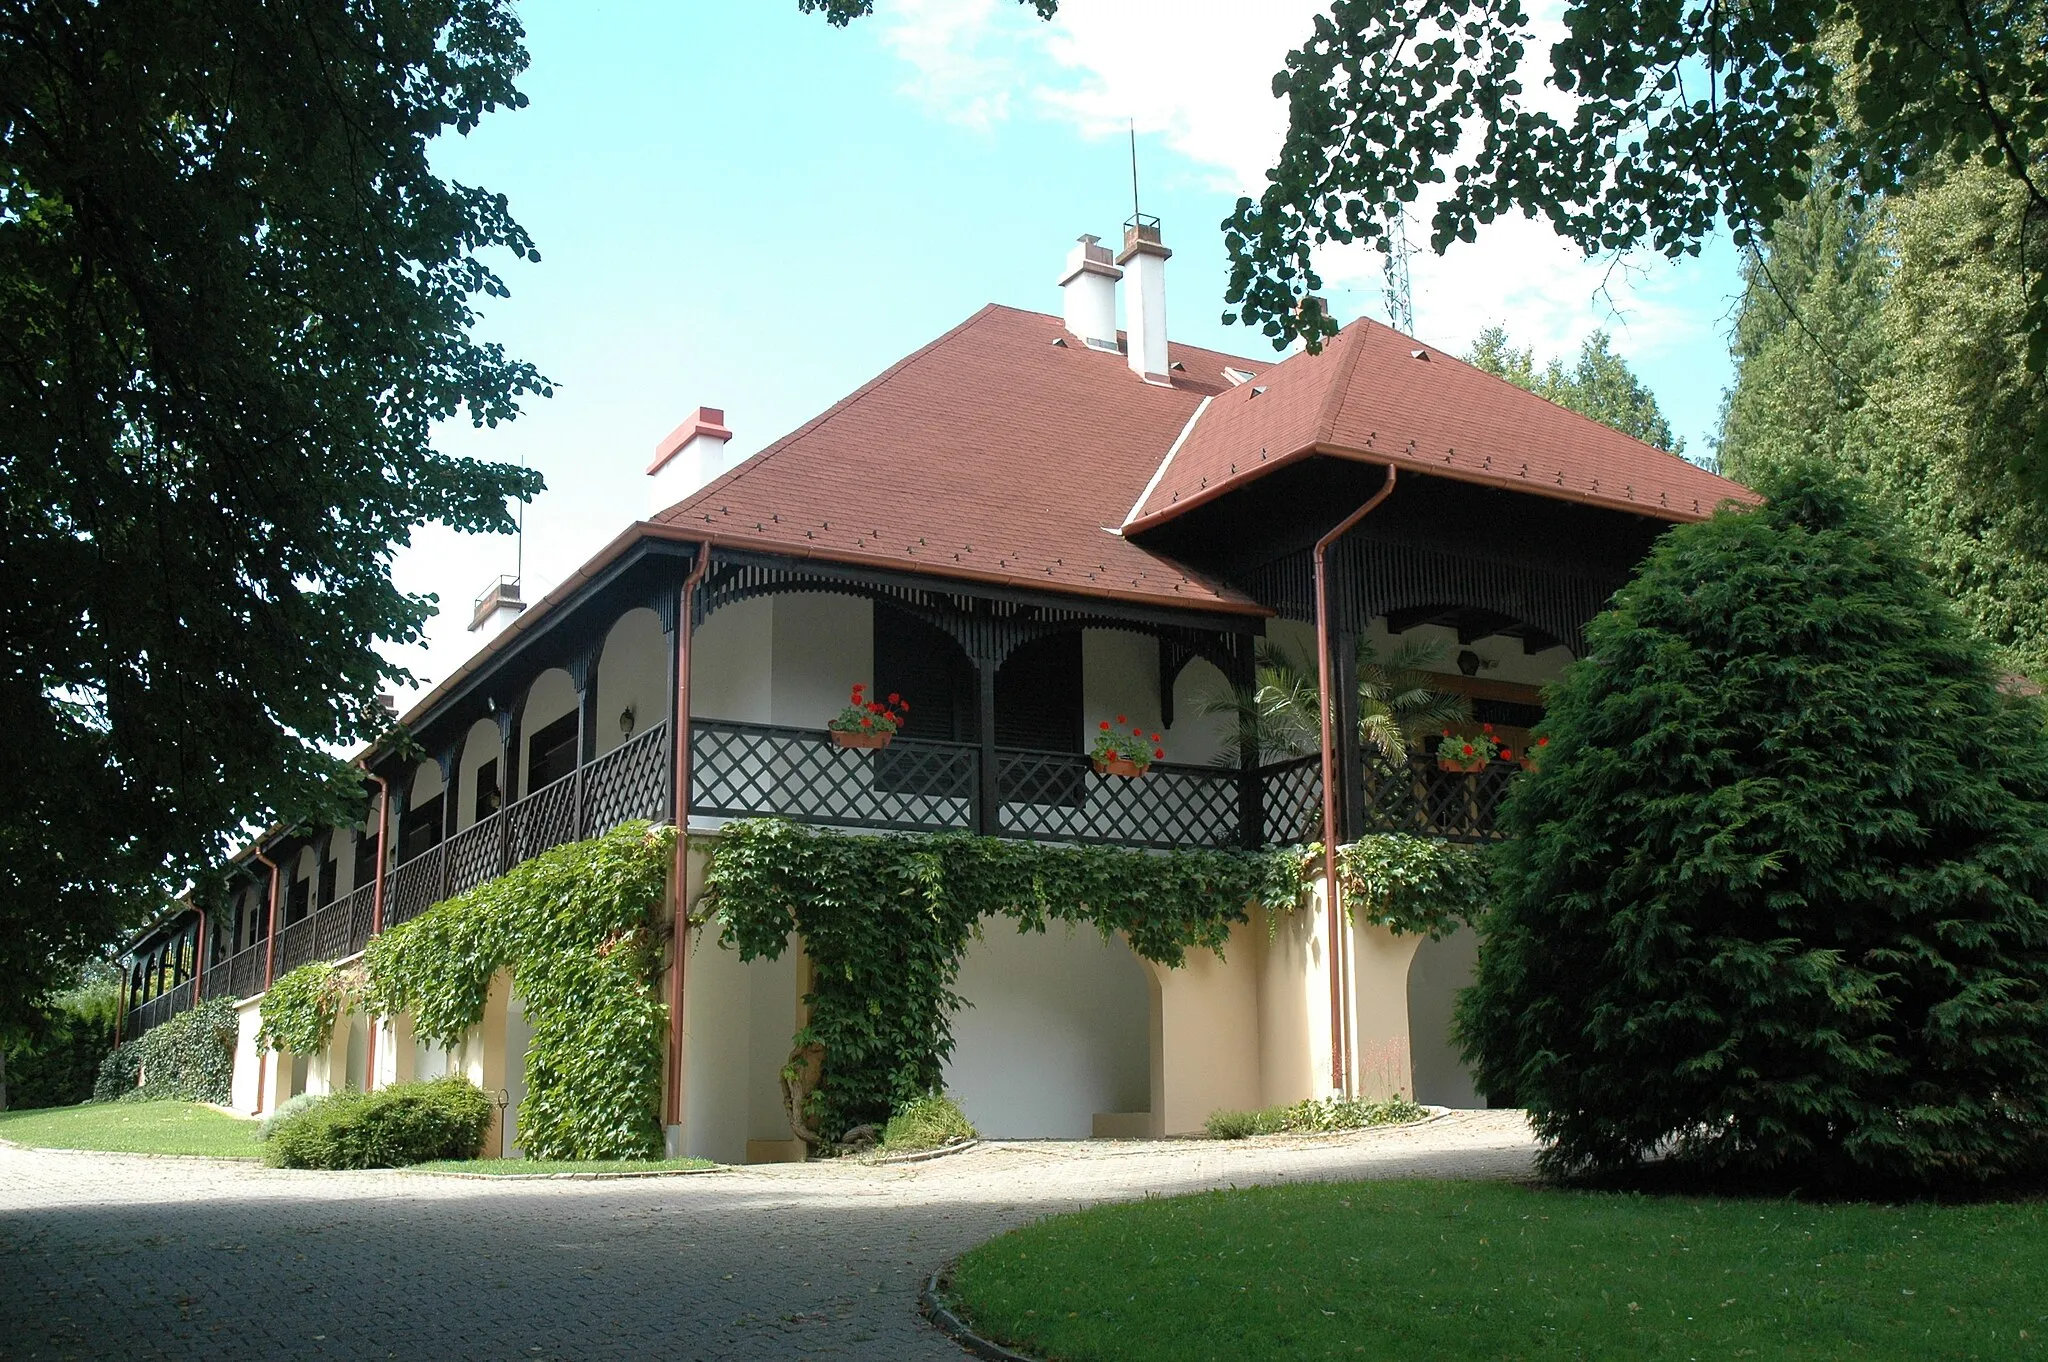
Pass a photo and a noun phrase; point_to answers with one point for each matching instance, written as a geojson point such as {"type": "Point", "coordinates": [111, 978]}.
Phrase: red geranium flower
{"type": "Point", "coordinates": [1486, 728]}
{"type": "Point", "coordinates": [1105, 725]}
{"type": "Point", "coordinates": [1121, 719]}
{"type": "Point", "coordinates": [1155, 737]}
{"type": "Point", "coordinates": [867, 723]}
{"type": "Point", "coordinates": [1468, 749]}
{"type": "Point", "coordinates": [1507, 754]}
{"type": "Point", "coordinates": [1543, 742]}
{"type": "Point", "coordinates": [894, 698]}
{"type": "Point", "coordinates": [1159, 754]}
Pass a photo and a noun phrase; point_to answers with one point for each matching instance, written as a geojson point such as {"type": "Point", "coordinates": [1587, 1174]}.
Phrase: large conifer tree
{"type": "Point", "coordinates": [1775, 904]}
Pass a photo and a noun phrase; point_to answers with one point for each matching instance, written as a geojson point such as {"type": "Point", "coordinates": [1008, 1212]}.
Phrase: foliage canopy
{"type": "Point", "coordinates": [1599, 385]}
{"type": "Point", "coordinates": [235, 302]}
{"type": "Point", "coordinates": [1776, 899]}
{"type": "Point", "coordinates": [1890, 340]}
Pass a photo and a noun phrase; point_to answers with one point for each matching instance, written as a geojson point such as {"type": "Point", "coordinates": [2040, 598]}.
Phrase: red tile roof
{"type": "Point", "coordinates": [991, 454]}
{"type": "Point", "coordinates": [1376, 395]}
{"type": "Point", "coordinates": [1008, 451]}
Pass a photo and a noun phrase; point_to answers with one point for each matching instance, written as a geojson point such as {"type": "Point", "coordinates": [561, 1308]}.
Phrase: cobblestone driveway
{"type": "Point", "coordinates": [118, 1256]}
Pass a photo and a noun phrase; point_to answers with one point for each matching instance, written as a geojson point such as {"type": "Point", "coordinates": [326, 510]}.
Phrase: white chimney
{"type": "Point", "coordinates": [692, 455]}
{"type": "Point", "coordinates": [497, 605]}
{"type": "Point", "coordinates": [1088, 291]}
{"type": "Point", "coordinates": [1144, 259]}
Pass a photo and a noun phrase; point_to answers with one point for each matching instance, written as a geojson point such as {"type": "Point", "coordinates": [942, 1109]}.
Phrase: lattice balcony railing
{"type": "Point", "coordinates": [630, 781]}
{"type": "Point", "coordinates": [475, 854]}
{"type": "Point", "coordinates": [1420, 797]}
{"type": "Point", "coordinates": [1058, 796]}
{"type": "Point", "coordinates": [546, 818]}
{"type": "Point", "coordinates": [1293, 800]}
{"type": "Point", "coordinates": [741, 770]}
{"type": "Point", "coordinates": [157, 1011]}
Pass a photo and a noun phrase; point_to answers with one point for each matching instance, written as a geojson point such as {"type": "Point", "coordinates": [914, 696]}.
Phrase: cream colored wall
{"type": "Point", "coordinates": [732, 660]}
{"type": "Point", "coordinates": [632, 673]}
{"type": "Point", "coordinates": [1205, 1052]}
{"type": "Point", "coordinates": [1054, 1031]}
{"type": "Point", "coordinates": [1439, 970]}
{"type": "Point", "coordinates": [1379, 1044]}
{"type": "Point", "coordinates": [551, 696]}
{"type": "Point", "coordinates": [1294, 1005]}
{"type": "Point", "coordinates": [426, 783]}
{"type": "Point", "coordinates": [824, 644]}
{"type": "Point", "coordinates": [481, 745]}
{"type": "Point", "coordinates": [242, 1089]}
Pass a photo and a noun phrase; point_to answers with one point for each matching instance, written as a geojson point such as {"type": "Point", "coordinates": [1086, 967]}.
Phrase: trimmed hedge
{"type": "Point", "coordinates": [444, 1118]}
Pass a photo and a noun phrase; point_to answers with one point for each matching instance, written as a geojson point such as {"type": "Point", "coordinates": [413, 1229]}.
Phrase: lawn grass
{"type": "Point", "coordinates": [1494, 1270]}
{"type": "Point", "coordinates": [134, 1128]}
{"type": "Point", "coordinates": [531, 1167]}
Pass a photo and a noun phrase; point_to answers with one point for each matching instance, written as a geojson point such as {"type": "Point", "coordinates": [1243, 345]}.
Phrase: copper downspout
{"type": "Point", "coordinates": [680, 948]}
{"type": "Point", "coordinates": [377, 908]}
{"type": "Point", "coordinates": [269, 964]}
{"type": "Point", "coordinates": [1340, 1070]}
{"type": "Point", "coordinates": [199, 960]}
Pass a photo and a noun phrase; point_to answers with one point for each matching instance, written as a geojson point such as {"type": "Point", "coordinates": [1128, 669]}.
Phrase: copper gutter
{"type": "Point", "coordinates": [680, 941]}
{"type": "Point", "coordinates": [199, 959]}
{"type": "Point", "coordinates": [376, 911]}
{"type": "Point", "coordinates": [269, 966]}
{"type": "Point", "coordinates": [1340, 1069]}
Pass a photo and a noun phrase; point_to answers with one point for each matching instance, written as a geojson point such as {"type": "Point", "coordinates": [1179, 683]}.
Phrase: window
{"type": "Point", "coordinates": [298, 901]}
{"type": "Point", "coordinates": [487, 795]}
{"type": "Point", "coordinates": [420, 829]}
{"type": "Point", "coordinates": [551, 753]}
{"type": "Point", "coordinates": [330, 873]}
{"type": "Point", "coordinates": [366, 856]}
{"type": "Point", "coordinates": [928, 669]}
{"type": "Point", "coordinates": [1038, 695]}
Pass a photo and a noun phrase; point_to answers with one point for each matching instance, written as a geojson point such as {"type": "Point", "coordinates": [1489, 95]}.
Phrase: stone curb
{"type": "Point", "coordinates": [558, 1177]}
{"type": "Point", "coordinates": [129, 1153]}
{"type": "Point", "coordinates": [924, 1155]}
{"type": "Point", "coordinates": [932, 1304]}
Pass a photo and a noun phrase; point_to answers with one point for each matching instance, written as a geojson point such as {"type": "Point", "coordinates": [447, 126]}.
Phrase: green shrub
{"type": "Point", "coordinates": [925, 1123]}
{"type": "Point", "coordinates": [445, 1118]}
{"type": "Point", "coordinates": [118, 1072]}
{"type": "Point", "coordinates": [56, 1063]}
{"type": "Point", "coordinates": [1774, 905]}
{"type": "Point", "coordinates": [286, 1110]}
{"type": "Point", "coordinates": [191, 1057]}
{"type": "Point", "coordinates": [1315, 1116]}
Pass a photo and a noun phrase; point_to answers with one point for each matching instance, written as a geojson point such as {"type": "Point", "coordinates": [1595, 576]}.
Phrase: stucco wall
{"type": "Point", "coordinates": [731, 663]}
{"type": "Point", "coordinates": [1056, 1029]}
{"type": "Point", "coordinates": [632, 674]}
{"type": "Point", "coordinates": [823, 645]}
{"type": "Point", "coordinates": [1439, 970]}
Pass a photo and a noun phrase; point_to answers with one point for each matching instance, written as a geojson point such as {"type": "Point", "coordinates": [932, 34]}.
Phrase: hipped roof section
{"type": "Point", "coordinates": [1005, 451]}
{"type": "Point", "coordinates": [1376, 395]}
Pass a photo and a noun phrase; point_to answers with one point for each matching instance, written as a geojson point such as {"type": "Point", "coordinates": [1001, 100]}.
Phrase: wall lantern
{"type": "Point", "coordinates": [626, 722]}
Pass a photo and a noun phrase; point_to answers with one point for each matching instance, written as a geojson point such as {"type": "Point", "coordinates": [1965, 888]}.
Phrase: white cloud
{"type": "Point", "coordinates": [1196, 75]}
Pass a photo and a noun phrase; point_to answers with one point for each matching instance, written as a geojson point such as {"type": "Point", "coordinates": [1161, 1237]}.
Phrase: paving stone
{"type": "Point", "coordinates": [137, 1258]}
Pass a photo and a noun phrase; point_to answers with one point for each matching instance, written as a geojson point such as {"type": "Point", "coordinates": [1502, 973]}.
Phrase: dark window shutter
{"type": "Point", "coordinates": [420, 830]}
{"type": "Point", "coordinates": [1038, 695]}
{"type": "Point", "coordinates": [929, 670]}
{"type": "Point", "coordinates": [553, 753]}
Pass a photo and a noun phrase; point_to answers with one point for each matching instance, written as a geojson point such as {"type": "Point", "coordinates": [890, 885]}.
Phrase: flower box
{"type": "Point", "coordinates": [869, 741]}
{"type": "Point", "coordinates": [1118, 754]}
{"type": "Point", "coordinates": [868, 723]}
{"type": "Point", "coordinates": [1118, 766]}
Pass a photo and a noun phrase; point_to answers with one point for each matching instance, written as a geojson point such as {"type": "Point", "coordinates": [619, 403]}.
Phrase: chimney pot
{"type": "Point", "coordinates": [687, 458]}
{"type": "Point", "coordinates": [1088, 293]}
{"type": "Point", "coordinates": [497, 605]}
{"type": "Point", "coordinates": [1144, 260]}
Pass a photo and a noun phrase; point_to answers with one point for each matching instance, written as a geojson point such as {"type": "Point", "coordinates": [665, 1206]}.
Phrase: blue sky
{"type": "Point", "coordinates": [740, 206]}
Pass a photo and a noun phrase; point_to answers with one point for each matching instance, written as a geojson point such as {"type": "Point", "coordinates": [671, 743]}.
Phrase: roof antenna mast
{"type": "Point", "coordinates": [1135, 214]}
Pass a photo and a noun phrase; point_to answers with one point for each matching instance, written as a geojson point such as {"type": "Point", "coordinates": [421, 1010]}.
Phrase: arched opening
{"type": "Point", "coordinates": [1438, 971]}
{"type": "Point", "coordinates": [420, 829]}
{"type": "Point", "coordinates": [1056, 1029]}
{"type": "Point", "coordinates": [547, 726]}
{"type": "Point", "coordinates": [632, 679]}
{"type": "Point", "coordinates": [479, 781]}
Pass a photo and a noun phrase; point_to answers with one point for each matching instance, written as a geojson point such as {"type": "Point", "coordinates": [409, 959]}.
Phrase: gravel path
{"type": "Point", "coordinates": [110, 1255]}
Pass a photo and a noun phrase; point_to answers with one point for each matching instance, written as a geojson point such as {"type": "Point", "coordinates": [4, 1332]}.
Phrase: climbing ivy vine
{"type": "Point", "coordinates": [299, 1013]}
{"type": "Point", "coordinates": [886, 920]}
{"type": "Point", "coordinates": [1413, 885]}
{"type": "Point", "coordinates": [579, 928]}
